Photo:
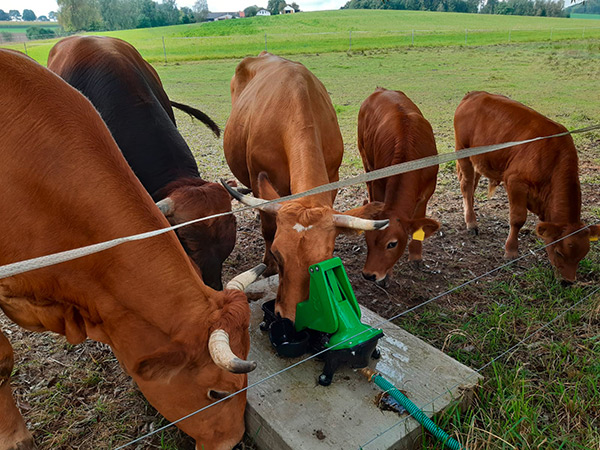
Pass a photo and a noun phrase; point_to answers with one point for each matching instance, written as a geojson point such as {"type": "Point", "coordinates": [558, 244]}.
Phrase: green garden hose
{"type": "Point", "coordinates": [413, 409]}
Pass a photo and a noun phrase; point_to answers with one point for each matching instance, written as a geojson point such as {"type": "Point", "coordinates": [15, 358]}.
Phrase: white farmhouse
{"type": "Point", "coordinates": [263, 12]}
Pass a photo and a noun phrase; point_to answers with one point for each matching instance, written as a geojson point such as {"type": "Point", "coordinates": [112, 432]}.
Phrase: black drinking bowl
{"type": "Point", "coordinates": [287, 342]}
{"type": "Point", "coordinates": [269, 315]}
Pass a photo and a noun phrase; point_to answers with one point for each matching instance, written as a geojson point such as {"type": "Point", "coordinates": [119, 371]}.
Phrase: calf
{"type": "Point", "coordinates": [392, 130]}
{"type": "Point", "coordinates": [541, 176]}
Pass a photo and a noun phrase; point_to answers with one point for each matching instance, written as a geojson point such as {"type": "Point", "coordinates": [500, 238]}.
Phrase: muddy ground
{"type": "Point", "coordinates": [77, 397]}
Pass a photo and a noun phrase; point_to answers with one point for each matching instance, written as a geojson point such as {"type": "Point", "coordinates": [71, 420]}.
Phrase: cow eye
{"type": "Point", "coordinates": [392, 244]}
{"type": "Point", "coordinates": [217, 395]}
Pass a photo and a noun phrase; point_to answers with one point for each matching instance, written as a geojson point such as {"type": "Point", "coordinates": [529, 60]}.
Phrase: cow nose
{"type": "Point", "coordinates": [369, 276]}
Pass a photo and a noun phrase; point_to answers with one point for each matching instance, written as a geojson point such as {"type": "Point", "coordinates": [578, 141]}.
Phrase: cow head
{"type": "Point", "coordinates": [180, 377]}
{"type": "Point", "coordinates": [384, 248]}
{"type": "Point", "coordinates": [210, 242]}
{"type": "Point", "coordinates": [566, 254]}
{"type": "Point", "coordinates": [306, 232]}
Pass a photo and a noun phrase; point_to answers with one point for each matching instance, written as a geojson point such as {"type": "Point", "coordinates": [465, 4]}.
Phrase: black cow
{"type": "Point", "coordinates": [129, 95]}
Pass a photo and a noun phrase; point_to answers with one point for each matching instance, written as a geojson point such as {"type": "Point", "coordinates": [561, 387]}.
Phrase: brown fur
{"type": "Point", "coordinates": [283, 124]}
{"type": "Point", "coordinates": [65, 184]}
{"type": "Point", "coordinates": [392, 130]}
{"type": "Point", "coordinates": [542, 176]}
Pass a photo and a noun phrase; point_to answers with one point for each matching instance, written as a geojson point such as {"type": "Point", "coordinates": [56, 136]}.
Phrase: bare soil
{"type": "Point", "coordinates": [77, 397]}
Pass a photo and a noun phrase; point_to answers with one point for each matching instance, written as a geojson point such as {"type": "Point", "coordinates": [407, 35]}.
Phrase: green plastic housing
{"type": "Point", "coordinates": [332, 307]}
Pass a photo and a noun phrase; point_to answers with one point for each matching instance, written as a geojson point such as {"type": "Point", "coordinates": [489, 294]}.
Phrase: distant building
{"type": "Point", "coordinates": [263, 12]}
{"type": "Point", "coordinates": [287, 10]}
{"type": "Point", "coordinates": [213, 17]}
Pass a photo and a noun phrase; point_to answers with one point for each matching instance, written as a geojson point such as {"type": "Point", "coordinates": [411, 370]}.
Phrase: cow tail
{"type": "Point", "coordinates": [198, 115]}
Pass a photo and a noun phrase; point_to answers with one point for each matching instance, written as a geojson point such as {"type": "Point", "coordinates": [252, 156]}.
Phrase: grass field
{"type": "Point", "coordinates": [321, 32]}
{"type": "Point", "coordinates": [543, 394]}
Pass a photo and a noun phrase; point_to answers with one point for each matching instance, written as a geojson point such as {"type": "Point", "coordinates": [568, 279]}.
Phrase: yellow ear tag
{"type": "Point", "coordinates": [593, 238]}
{"type": "Point", "coordinates": [419, 235]}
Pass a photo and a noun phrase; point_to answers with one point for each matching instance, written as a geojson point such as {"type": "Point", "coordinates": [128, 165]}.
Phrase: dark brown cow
{"type": "Point", "coordinates": [392, 130]}
{"type": "Point", "coordinates": [542, 177]}
{"type": "Point", "coordinates": [283, 137]}
{"type": "Point", "coordinates": [128, 93]}
{"type": "Point", "coordinates": [64, 185]}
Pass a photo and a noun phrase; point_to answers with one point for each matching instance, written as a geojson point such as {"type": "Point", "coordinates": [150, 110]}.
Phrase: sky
{"type": "Point", "coordinates": [43, 7]}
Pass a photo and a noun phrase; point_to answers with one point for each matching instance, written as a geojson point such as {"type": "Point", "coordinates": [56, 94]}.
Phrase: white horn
{"type": "Point", "coordinates": [166, 206]}
{"type": "Point", "coordinates": [251, 201]}
{"type": "Point", "coordinates": [243, 280]}
{"type": "Point", "coordinates": [343, 221]}
{"type": "Point", "coordinates": [221, 354]}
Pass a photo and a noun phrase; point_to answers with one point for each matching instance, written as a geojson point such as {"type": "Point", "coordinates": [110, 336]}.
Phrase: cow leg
{"type": "Point", "coordinates": [13, 432]}
{"type": "Point", "coordinates": [517, 202]}
{"type": "Point", "coordinates": [268, 224]}
{"type": "Point", "coordinates": [468, 182]}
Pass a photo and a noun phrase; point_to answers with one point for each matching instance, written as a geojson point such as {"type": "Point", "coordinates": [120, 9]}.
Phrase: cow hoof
{"type": "Point", "coordinates": [509, 256]}
{"type": "Point", "coordinates": [566, 283]}
{"type": "Point", "coordinates": [474, 231]}
{"type": "Point", "coordinates": [416, 263]}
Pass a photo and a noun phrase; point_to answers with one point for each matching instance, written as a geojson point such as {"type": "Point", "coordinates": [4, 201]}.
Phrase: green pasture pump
{"type": "Point", "coordinates": [332, 309]}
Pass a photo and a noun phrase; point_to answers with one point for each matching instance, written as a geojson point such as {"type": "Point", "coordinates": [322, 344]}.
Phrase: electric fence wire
{"type": "Point", "coordinates": [467, 378]}
{"type": "Point", "coordinates": [378, 324]}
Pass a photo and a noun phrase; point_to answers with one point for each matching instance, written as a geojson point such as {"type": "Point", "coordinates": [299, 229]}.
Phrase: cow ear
{"type": "Point", "coordinates": [548, 230]}
{"type": "Point", "coordinates": [166, 362]}
{"type": "Point", "coordinates": [427, 225]}
{"type": "Point", "coordinates": [266, 190]}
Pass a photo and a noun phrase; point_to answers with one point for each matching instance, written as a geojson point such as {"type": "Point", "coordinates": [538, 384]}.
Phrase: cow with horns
{"type": "Point", "coordinates": [283, 138]}
{"type": "Point", "coordinates": [392, 130]}
{"type": "Point", "coordinates": [541, 176]}
{"type": "Point", "coordinates": [65, 184]}
{"type": "Point", "coordinates": [128, 93]}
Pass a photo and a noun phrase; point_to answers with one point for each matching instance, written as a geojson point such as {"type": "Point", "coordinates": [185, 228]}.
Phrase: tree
{"type": "Point", "coordinates": [29, 15]}
{"type": "Point", "coordinates": [187, 15]}
{"type": "Point", "coordinates": [276, 6]}
{"type": "Point", "coordinates": [78, 15]}
{"type": "Point", "coordinates": [52, 15]}
{"type": "Point", "coordinates": [200, 9]}
{"type": "Point", "coordinates": [168, 12]}
{"type": "Point", "coordinates": [14, 14]}
{"type": "Point", "coordinates": [119, 14]}
{"type": "Point", "coordinates": [39, 33]}
{"type": "Point", "coordinates": [295, 6]}
{"type": "Point", "coordinates": [251, 11]}
{"type": "Point", "coordinates": [4, 15]}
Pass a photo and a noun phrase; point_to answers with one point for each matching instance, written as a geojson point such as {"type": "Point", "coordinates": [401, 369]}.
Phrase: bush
{"type": "Point", "coordinates": [6, 36]}
{"type": "Point", "coordinates": [39, 33]}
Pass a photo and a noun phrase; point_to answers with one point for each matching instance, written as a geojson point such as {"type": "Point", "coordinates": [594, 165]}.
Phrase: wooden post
{"type": "Point", "coordinates": [164, 49]}
{"type": "Point", "coordinates": [466, 35]}
{"type": "Point", "coordinates": [265, 42]}
{"type": "Point", "coordinates": [350, 48]}
{"type": "Point", "coordinates": [509, 31]}
{"type": "Point", "coordinates": [551, 31]}
{"type": "Point", "coordinates": [413, 38]}
{"type": "Point", "coordinates": [25, 45]}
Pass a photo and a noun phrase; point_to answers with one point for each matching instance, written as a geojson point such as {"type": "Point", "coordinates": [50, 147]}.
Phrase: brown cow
{"type": "Point", "coordinates": [64, 185]}
{"type": "Point", "coordinates": [283, 137]}
{"type": "Point", "coordinates": [129, 96]}
{"type": "Point", "coordinates": [541, 176]}
{"type": "Point", "coordinates": [392, 130]}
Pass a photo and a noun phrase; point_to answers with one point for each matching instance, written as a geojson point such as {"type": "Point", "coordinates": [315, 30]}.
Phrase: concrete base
{"type": "Point", "coordinates": [291, 411]}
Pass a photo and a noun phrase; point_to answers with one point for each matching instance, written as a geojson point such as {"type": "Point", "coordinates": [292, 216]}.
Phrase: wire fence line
{"type": "Point", "coordinates": [379, 325]}
{"type": "Point", "coordinates": [180, 48]}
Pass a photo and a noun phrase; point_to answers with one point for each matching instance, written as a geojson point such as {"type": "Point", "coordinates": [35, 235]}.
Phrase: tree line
{"type": "Point", "coordinates": [96, 15]}
{"type": "Point", "coordinates": [28, 15]}
{"type": "Point", "coordinates": [547, 8]}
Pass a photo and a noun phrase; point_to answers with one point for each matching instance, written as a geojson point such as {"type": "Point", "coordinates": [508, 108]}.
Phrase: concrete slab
{"type": "Point", "coordinates": [291, 411]}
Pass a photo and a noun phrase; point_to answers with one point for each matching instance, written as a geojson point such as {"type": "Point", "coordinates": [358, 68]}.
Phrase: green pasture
{"type": "Point", "coordinates": [21, 27]}
{"type": "Point", "coordinates": [337, 31]}
{"type": "Point", "coordinates": [585, 16]}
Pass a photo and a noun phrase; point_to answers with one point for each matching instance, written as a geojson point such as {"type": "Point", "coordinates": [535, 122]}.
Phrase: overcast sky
{"type": "Point", "coordinates": [43, 7]}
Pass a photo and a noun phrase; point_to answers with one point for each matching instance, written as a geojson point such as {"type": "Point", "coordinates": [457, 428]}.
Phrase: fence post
{"type": "Point", "coordinates": [164, 49]}
{"type": "Point", "coordinates": [25, 45]}
{"type": "Point", "coordinates": [509, 31]}
{"type": "Point", "coordinates": [265, 42]}
{"type": "Point", "coordinates": [413, 38]}
{"type": "Point", "coordinates": [583, 33]}
{"type": "Point", "coordinates": [551, 31]}
{"type": "Point", "coordinates": [466, 35]}
{"type": "Point", "coordinates": [350, 48]}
